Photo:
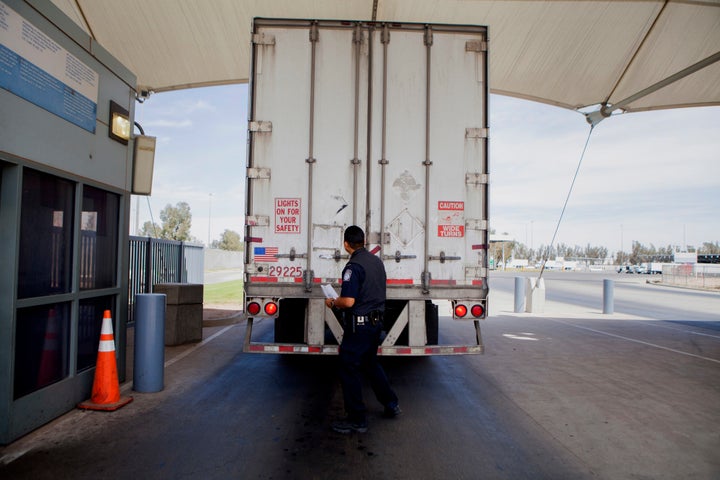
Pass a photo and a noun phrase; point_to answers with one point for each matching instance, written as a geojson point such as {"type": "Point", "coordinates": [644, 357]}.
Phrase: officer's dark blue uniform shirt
{"type": "Point", "coordinates": [364, 279]}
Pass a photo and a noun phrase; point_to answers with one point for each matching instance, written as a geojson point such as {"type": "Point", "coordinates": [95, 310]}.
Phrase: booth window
{"type": "Point", "coordinates": [98, 239]}
{"type": "Point", "coordinates": [48, 255]}
{"type": "Point", "coordinates": [89, 326]}
{"type": "Point", "coordinates": [42, 341]}
{"type": "Point", "coordinates": [46, 235]}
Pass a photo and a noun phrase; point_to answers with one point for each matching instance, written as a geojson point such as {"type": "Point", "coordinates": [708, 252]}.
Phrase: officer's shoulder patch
{"type": "Point", "coordinates": [347, 275]}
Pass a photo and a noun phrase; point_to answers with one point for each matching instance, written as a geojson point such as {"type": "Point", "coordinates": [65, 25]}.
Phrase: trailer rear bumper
{"type": "Point", "coordinates": [383, 350]}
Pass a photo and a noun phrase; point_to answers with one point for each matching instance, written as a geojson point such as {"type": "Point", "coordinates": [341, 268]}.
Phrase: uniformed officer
{"type": "Point", "coordinates": [362, 302]}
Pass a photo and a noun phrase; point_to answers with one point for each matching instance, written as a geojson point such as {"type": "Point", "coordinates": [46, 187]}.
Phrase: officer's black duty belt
{"type": "Point", "coordinates": [371, 318]}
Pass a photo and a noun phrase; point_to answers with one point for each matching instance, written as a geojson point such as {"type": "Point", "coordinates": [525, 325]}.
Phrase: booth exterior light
{"type": "Point", "coordinates": [143, 164]}
{"type": "Point", "coordinates": [120, 125]}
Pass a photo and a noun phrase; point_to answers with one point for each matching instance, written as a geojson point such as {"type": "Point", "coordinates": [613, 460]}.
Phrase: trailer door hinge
{"type": "Point", "coordinates": [257, 220]}
{"type": "Point", "coordinates": [428, 37]}
{"type": "Point", "coordinates": [476, 46]}
{"type": "Point", "coordinates": [474, 178]}
{"type": "Point", "coordinates": [263, 39]}
{"type": "Point", "coordinates": [260, 126]}
{"type": "Point", "coordinates": [258, 172]}
{"type": "Point", "coordinates": [476, 133]}
{"type": "Point", "coordinates": [476, 224]}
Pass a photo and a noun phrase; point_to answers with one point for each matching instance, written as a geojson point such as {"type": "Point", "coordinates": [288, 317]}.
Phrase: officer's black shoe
{"type": "Point", "coordinates": [392, 410]}
{"type": "Point", "coordinates": [347, 426]}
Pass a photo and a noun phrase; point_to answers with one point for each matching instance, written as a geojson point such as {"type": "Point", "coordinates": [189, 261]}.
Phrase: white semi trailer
{"type": "Point", "coordinates": [381, 125]}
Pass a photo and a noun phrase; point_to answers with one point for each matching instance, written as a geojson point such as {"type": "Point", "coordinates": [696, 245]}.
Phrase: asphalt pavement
{"type": "Point", "coordinates": [567, 393]}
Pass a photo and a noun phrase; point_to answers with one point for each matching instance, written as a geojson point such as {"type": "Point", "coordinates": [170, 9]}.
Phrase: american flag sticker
{"type": "Point", "coordinates": [265, 254]}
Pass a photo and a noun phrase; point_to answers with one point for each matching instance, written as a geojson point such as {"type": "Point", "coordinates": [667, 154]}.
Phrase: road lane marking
{"type": "Point", "coordinates": [636, 341]}
{"type": "Point", "coordinates": [522, 336]}
{"type": "Point", "coordinates": [683, 330]}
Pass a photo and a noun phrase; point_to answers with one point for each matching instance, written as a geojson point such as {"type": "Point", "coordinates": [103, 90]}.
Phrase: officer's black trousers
{"type": "Point", "coordinates": [358, 355]}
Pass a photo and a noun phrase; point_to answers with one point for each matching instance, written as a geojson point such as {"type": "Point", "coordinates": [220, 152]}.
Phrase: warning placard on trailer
{"type": "Point", "coordinates": [451, 219]}
{"type": "Point", "coordinates": [287, 215]}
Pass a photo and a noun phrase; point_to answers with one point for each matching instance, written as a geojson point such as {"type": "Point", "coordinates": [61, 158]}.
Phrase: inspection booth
{"type": "Point", "coordinates": [65, 186]}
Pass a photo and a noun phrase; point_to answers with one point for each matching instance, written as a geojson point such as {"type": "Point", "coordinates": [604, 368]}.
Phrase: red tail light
{"type": "Point", "coordinates": [271, 308]}
{"type": "Point", "coordinates": [253, 308]}
{"type": "Point", "coordinates": [477, 311]}
{"type": "Point", "coordinates": [460, 311]}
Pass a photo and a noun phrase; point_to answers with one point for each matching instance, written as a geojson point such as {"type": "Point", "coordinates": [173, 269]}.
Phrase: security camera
{"type": "Point", "coordinates": [143, 95]}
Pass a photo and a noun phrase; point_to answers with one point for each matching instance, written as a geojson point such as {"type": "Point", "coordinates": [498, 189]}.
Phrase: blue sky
{"type": "Point", "coordinates": [652, 177]}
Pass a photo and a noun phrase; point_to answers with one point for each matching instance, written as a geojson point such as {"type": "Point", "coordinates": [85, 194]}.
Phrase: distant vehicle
{"type": "Point", "coordinates": [632, 269]}
{"type": "Point", "coordinates": [655, 267]}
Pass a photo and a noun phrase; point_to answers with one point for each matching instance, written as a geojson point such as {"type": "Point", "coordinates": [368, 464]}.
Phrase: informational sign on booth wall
{"type": "Point", "coordinates": [34, 67]}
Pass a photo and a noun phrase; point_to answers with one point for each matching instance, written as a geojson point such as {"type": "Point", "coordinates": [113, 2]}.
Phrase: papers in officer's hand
{"type": "Point", "coordinates": [329, 291]}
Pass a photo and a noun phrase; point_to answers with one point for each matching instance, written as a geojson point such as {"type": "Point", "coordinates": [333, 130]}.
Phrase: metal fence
{"type": "Point", "coordinates": [154, 261]}
{"type": "Point", "coordinates": [696, 276]}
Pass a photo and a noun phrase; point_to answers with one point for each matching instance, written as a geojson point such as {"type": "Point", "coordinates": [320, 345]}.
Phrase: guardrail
{"type": "Point", "coordinates": [154, 261]}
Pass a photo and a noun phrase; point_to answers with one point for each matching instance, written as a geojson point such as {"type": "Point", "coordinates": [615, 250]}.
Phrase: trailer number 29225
{"type": "Point", "coordinates": [280, 271]}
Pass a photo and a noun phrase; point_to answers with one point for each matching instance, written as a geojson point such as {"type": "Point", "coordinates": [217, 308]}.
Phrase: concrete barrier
{"type": "Point", "coordinates": [519, 306]}
{"type": "Point", "coordinates": [184, 312]}
{"type": "Point", "coordinates": [535, 288]}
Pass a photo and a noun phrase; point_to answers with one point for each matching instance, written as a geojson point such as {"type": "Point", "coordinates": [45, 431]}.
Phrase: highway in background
{"type": "Point", "coordinates": [635, 294]}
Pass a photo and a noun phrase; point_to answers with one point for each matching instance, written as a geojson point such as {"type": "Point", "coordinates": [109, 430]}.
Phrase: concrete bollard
{"type": "Point", "coordinates": [608, 296]}
{"type": "Point", "coordinates": [149, 356]}
{"type": "Point", "coordinates": [519, 295]}
{"type": "Point", "coordinates": [535, 295]}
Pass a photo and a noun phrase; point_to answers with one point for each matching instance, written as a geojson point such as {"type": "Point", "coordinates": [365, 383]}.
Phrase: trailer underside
{"type": "Point", "coordinates": [405, 332]}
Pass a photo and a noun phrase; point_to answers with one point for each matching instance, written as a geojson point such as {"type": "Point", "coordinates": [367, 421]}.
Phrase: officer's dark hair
{"type": "Point", "coordinates": [354, 236]}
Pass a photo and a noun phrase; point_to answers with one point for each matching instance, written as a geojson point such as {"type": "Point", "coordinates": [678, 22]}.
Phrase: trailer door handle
{"type": "Point", "coordinates": [398, 256]}
{"type": "Point", "coordinates": [442, 257]}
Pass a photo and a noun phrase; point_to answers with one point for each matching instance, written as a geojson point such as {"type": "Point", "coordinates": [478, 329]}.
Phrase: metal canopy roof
{"type": "Point", "coordinates": [572, 54]}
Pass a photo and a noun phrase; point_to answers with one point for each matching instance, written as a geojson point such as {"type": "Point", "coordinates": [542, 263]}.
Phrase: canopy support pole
{"type": "Point", "coordinates": [593, 118]}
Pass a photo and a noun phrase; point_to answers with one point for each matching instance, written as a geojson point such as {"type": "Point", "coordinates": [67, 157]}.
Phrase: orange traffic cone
{"type": "Point", "coordinates": [50, 360]}
{"type": "Point", "coordinates": [106, 387]}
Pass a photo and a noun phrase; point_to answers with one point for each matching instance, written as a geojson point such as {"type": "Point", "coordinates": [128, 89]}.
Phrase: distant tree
{"type": "Point", "coordinates": [563, 250]}
{"type": "Point", "coordinates": [595, 255]}
{"type": "Point", "coordinates": [710, 248]}
{"type": "Point", "coordinates": [521, 251]}
{"type": "Point", "coordinates": [177, 221]}
{"type": "Point", "coordinates": [665, 254]}
{"type": "Point", "coordinates": [546, 252]}
{"type": "Point", "coordinates": [230, 240]}
{"type": "Point", "coordinates": [636, 253]}
{"type": "Point", "coordinates": [150, 229]}
{"type": "Point", "coordinates": [620, 257]}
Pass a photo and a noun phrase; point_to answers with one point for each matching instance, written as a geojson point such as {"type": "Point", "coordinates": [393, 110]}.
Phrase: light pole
{"type": "Point", "coordinates": [209, 217]}
{"type": "Point", "coordinates": [532, 230]}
